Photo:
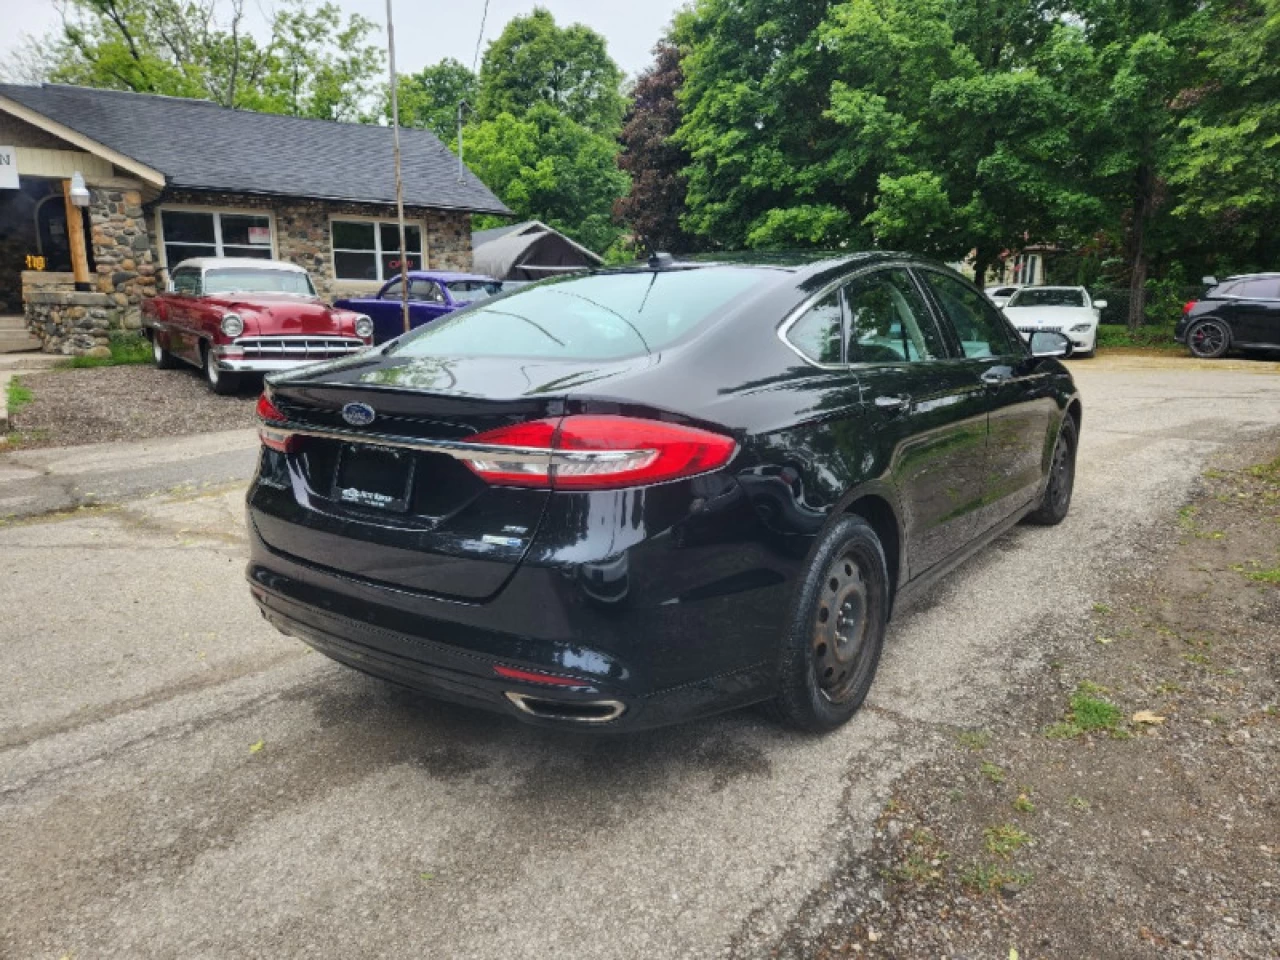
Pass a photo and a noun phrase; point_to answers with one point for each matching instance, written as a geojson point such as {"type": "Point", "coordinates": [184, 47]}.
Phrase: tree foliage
{"type": "Point", "coordinates": [655, 203]}
{"type": "Point", "coordinates": [430, 97]}
{"type": "Point", "coordinates": [535, 61]}
{"type": "Point", "coordinates": [313, 63]}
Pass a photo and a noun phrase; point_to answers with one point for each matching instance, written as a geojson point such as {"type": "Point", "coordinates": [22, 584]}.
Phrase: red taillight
{"type": "Point", "coordinates": [586, 452]}
{"type": "Point", "coordinates": [273, 439]}
{"type": "Point", "coordinates": [1187, 308]}
{"type": "Point", "coordinates": [534, 676]}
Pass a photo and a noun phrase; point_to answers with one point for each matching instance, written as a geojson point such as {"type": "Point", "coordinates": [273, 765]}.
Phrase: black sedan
{"type": "Point", "coordinates": [1240, 313]}
{"type": "Point", "coordinates": [627, 498]}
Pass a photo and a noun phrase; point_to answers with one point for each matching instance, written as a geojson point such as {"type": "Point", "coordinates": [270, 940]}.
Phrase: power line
{"type": "Point", "coordinates": [475, 61]}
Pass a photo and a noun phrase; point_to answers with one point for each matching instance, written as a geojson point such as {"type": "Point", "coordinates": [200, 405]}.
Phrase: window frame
{"type": "Point", "coordinates": [423, 250]}
{"type": "Point", "coordinates": [948, 327]}
{"type": "Point", "coordinates": [217, 214]}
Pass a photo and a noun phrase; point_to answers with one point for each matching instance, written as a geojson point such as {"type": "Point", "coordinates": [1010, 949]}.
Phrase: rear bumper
{"type": "Point", "coordinates": [640, 665]}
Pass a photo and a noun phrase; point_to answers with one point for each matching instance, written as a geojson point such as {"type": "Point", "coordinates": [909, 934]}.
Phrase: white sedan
{"type": "Point", "coordinates": [1000, 294]}
{"type": "Point", "coordinates": [1068, 310]}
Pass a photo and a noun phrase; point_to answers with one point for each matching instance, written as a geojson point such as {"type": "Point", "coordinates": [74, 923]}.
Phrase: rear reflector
{"type": "Point", "coordinates": [584, 452]}
{"type": "Point", "coordinates": [534, 676]}
{"type": "Point", "coordinates": [273, 439]}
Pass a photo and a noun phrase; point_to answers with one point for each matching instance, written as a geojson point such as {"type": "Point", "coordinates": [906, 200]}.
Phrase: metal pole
{"type": "Point", "coordinates": [461, 104]}
{"type": "Point", "coordinates": [395, 133]}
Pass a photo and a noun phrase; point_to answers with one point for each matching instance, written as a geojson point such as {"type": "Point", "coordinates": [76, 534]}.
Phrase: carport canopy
{"type": "Point", "coordinates": [528, 251]}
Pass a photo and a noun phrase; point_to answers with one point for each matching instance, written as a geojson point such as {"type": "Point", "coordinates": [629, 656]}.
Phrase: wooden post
{"type": "Point", "coordinates": [75, 238]}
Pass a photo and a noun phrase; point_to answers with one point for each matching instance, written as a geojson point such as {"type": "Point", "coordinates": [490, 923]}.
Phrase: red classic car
{"type": "Point", "coordinates": [232, 317]}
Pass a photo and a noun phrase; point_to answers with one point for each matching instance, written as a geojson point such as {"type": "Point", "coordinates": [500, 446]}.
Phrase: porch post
{"type": "Point", "coordinates": [75, 239]}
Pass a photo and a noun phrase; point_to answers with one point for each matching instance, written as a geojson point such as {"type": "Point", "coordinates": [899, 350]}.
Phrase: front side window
{"type": "Point", "coordinates": [819, 331]}
{"type": "Point", "coordinates": [243, 280]}
{"type": "Point", "coordinates": [889, 321]}
{"type": "Point", "coordinates": [186, 281]}
{"type": "Point", "coordinates": [980, 328]}
{"type": "Point", "coordinates": [604, 316]}
{"type": "Point", "coordinates": [1047, 297]}
{"type": "Point", "coordinates": [473, 289]}
{"type": "Point", "coordinates": [213, 233]}
{"type": "Point", "coordinates": [425, 291]}
{"type": "Point", "coordinates": [370, 249]}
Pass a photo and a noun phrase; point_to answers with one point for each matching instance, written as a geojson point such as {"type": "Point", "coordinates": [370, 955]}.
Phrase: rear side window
{"type": "Point", "coordinates": [818, 333]}
{"type": "Point", "coordinates": [888, 320]}
{"type": "Point", "coordinates": [978, 325]}
{"type": "Point", "coordinates": [1263, 288]}
{"type": "Point", "coordinates": [598, 317]}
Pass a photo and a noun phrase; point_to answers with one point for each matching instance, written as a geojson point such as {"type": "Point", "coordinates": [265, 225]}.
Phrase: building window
{"type": "Point", "coordinates": [211, 233]}
{"type": "Point", "coordinates": [370, 249]}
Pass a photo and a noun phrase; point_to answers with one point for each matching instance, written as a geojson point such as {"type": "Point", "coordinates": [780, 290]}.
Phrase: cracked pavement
{"type": "Point", "coordinates": [177, 779]}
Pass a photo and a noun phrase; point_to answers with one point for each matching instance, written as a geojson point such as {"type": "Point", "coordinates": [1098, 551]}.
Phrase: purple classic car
{"type": "Point", "coordinates": [432, 294]}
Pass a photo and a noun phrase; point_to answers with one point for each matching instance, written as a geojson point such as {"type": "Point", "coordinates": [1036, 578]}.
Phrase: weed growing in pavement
{"type": "Point", "coordinates": [1088, 712]}
{"type": "Point", "coordinates": [1078, 803]}
{"type": "Point", "coordinates": [924, 860]}
{"type": "Point", "coordinates": [1023, 803]}
{"type": "Point", "coordinates": [1266, 576]}
{"type": "Point", "coordinates": [992, 772]}
{"type": "Point", "coordinates": [1005, 840]}
{"type": "Point", "coordinates": [984, 878]}
{"type": "Point", "coordinates": [18, 395]}
{"type": "Point", "coordinates": [1103, 609]}
{"type": "Point", "coordinates": [974, 740]}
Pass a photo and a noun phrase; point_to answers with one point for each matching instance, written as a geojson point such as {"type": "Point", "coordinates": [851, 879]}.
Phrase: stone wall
{"type": "Point", "coordinates": [73, 322]}
{"type": "Point", "coordinates": [302, 231]}
{"type": "Point", "coordinates": [123, 253]}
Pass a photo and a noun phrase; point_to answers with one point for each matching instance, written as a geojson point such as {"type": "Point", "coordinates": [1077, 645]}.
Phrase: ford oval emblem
{"type": "Point", "coordinates": [358, 414]}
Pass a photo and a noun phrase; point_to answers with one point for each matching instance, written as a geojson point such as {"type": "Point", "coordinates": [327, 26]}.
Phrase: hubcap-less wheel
{"type": "Point", "coordinates": [1062, 477]}
{"type": "Point", "coordinates": [211, 369]}
{"type": "Point", "coordinates": [157, 351]}
{"type": "Point", "coordinates": [1208, 339]}
{"type": "Point", "coordinates": [845, 609]}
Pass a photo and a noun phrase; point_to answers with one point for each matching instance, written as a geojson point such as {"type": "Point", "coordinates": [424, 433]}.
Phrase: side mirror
{"type": "Point", "coordinates": [1047, 343]}
{"type": "Point", "coordinates": [1099, 304]}
{"type": "Point", "coordinates": [1209, 281]}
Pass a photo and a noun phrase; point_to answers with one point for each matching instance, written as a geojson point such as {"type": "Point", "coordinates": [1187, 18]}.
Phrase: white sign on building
{"type": "Point", "coordinates": [8, 168]}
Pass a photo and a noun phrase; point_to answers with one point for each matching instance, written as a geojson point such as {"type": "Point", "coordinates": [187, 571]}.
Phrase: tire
{"type": "Point", "coordinates": [1055, 502]}
{"type": "Point", "coordinates": [219, 382]}
{"type": "Point", "coordinates": [829, 657]}
{"type": "Point", "coordinates": [1208, 339]}
{"type": "Point", "coordinates": [164, 360]}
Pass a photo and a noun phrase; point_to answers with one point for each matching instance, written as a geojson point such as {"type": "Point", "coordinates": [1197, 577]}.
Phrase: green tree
{"type": "Point", "coordinates": [313, 63]}
{"type": "Point", "coordinates": [535, 61]}
{"type": "Point", "coordinates": [546, 167]}
{"type": "Point", "coordinates": [430, 97]}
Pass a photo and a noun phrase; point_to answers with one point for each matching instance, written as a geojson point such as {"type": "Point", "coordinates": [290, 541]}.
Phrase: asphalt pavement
{"type": "Point", "coordinates": [177, 780]}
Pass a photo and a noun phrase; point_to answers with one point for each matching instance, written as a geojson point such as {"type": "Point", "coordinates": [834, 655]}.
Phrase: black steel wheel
{"type": "Point", "coordinates": [1056, 501]}
{"type": "Point", "coordinates": [1209, 339]}
{"type": "Point", "coordinates": [829, 658]}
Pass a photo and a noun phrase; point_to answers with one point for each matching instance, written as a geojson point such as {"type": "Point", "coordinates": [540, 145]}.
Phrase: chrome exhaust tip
{"type": "Point", "coordinates": [573, 711]}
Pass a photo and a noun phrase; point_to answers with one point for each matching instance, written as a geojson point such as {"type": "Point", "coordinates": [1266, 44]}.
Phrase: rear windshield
{"type": "Point", "coordinates": [474, 289]}
{"type": "Point", "coordinates": [1047, 298]}
{"type": "Point", "coordinates": [600, 317]}
{"type": "Point", "coordinates": [249, 280]}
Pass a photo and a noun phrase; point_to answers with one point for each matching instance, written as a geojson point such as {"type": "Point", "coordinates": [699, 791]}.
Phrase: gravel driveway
{"type": "Point", "coordinates": [136, 402]}
{"type": "Point", "coordinates": [178, 780]}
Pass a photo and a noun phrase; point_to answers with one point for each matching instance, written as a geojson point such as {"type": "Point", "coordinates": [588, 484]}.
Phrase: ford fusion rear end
{"type": "Point", "coordinates": [527, 533]}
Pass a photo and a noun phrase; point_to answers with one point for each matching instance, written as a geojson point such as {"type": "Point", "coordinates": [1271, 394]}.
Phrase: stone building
{"type": "Point", "coordinates": [165, 179]}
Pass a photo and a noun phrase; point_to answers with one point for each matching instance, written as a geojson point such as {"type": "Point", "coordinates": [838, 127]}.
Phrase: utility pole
{"type": "Point", "coordinates": [395, 133]}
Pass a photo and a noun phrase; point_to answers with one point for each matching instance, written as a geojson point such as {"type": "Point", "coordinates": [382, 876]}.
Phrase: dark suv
{"type": "Point", "coordinates": [629, 497]}
{"type": "Point", "coordinates": [1237, 313]}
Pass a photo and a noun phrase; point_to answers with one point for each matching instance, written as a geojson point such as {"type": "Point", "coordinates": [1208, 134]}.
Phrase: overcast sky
{"type": "Point", "coordinates": [430, 30]}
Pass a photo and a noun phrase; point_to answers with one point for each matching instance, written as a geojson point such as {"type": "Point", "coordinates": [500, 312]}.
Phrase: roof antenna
{"type": "Point", "coordinates": [660, 259]}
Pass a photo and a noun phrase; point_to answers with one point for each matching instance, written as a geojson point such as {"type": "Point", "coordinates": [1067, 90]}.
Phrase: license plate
{"type": "Point", "coordinates": [377, 477]}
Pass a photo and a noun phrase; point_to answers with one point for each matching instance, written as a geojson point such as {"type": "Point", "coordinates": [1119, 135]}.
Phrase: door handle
{"type": "Point", "coordinates": [997, 375]}
{"type": "Point", "coordinates": [892, 404]}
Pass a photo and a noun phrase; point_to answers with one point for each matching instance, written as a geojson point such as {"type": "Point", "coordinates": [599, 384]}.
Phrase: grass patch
{"type": "Point", "coordinates": [18, 395]}
{"type": "Point", "coordinates": [1270, 472]}
{"type": "Point", "coordinates": [974, 740]}
{"type": "Point", "coordinates": [1005, 840]}
{"type": "Point", "coordinates": [1265, 576]}
{"type": "Point", "coordinates": [1088, 712]}
{"type": "Point", "coordinates": [924, 860]}
{"type": "Point", "coordinates": [993, 773]}
{"type": "Point", "coordinates": [1023, 804]}
{"type": "Point", "coordinates": [1150, 337]}
{"type": "Point", "coordinates": [984, 878]}
{"type": "Point", "coordinates": [126, 348]}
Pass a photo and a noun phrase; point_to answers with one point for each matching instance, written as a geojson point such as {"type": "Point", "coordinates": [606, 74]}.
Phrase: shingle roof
{"type": "Point", "coordinates": [199, 145]}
